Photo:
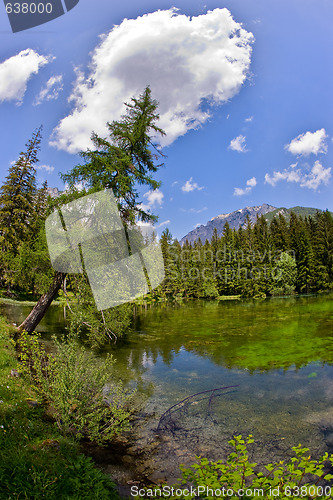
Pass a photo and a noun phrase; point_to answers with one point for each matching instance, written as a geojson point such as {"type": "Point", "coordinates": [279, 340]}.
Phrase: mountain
{"type": "Point", "coordinates": [303, 211]}
{"type": "Point", "coordinates": [54, 192]}
{"type": "Point", "coordinates": [238, 218]}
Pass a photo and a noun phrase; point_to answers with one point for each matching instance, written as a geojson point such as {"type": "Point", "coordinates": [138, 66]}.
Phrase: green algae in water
{"type": "Point", "coordinates": [269, 348]}
{"type": "Point", "coordinates": [253, 335]}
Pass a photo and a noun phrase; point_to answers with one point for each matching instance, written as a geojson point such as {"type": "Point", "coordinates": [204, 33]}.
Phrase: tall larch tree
{"type": "Point", "coordinates": [121, 162]}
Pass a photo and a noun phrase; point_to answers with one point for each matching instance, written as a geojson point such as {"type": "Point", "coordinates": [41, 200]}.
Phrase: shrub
{"type": "Point", "coordinates": [86, 402]}
{"type": "Point", "coordinates": [239, 478]}
{"type": "Point", "coordinates": [99, 327]}
{"type": "Point", "coordinates": [36, 462]}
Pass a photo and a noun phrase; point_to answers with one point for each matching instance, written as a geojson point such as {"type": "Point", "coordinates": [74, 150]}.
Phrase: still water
{"type": "Point", "coordinates": [276, 353]}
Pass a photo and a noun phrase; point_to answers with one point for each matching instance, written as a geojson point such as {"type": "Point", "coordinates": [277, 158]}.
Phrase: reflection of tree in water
{"type": "Point", "coordinates": [197, 418]}
{"type": "Point", "coordinates": [261, 336]}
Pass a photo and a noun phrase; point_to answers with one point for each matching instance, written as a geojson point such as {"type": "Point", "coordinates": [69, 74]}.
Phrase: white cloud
{"type": "Point", "coordinates": [240, 191]}
{"type": "Point", "coordinates": [161, 224]}
{"type": "Point", "coordinates": [309, 142]}
{"type": "Point", "coordinates": [194, 210]}
{"type": "Point", "coordinates": [16, 71]}
{"type": "Point", "coordinates": [250, 183]}
{"type": "Point", "coordinates": [191, 186]}
{"type": "Point", "coordinates": [144, 224]}
{"type": "Point", "coordinates": [51, 90]}
{"type": "Point", "coordinates": [184, 60]}
{"type": "Point", "coordinates": [154, 197]}
{"type": "Point", "coordinates": [313, 179]}
{"type": "Point", "coordinates": [286, 175]}
{"type": "Point", "coordinates": [249, 119]}
{"type": "Point", "coordinates": [238, 144]}
{"type": "Point", "coordinates": [318, 175]}
{"type": "Point", "coordinates": [47, 168]}
{"type": "Point", "coordinates": [150, 226]}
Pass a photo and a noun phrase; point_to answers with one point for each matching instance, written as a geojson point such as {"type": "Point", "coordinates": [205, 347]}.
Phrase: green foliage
{"type": "Point", "coordinates": [85, 400]}
{"type": "Point", "coordinates": [99, 327]}
{"type": "Point", "coordinates": [286, 274]}
{"type": "Point", "coordinates": [33, 269]}
{"type": "Point", "coordinates": [238, 477]}
{"type": "Point", "coordinates": [18, 196]}
{"type": "Point", "coordinates": [24, 260]}
{"type": "Point", "coordinates": [121, 162]}
{"type": "Point", "coordinates": [125, 160]}
{"type": "Point", "coordinates": [36, 461]}
{"type": "Point", "coordinates": [49, 469]}
{"type": "Point", "coordinates": [259, 260]}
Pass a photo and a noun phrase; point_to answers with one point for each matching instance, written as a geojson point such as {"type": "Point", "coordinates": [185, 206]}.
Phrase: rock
{"type": "Point", "coordinates": [157, 478]}
{"type": "Point", "coordinates": [32, 403]}
{"type": "Point", "coordinates": [134, 450]}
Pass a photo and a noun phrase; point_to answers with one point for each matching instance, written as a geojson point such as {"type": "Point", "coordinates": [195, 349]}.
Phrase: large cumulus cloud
{"type": "Point", "coordinates": [184, 60]}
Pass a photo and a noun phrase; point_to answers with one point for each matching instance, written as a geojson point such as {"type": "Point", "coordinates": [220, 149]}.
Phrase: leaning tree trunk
{"type": "Point", "coordinates": [37, 313]}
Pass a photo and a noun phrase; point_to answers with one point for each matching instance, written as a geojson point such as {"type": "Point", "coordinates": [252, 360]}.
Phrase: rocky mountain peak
{"type": "Point", "coordinates": [235, 220]}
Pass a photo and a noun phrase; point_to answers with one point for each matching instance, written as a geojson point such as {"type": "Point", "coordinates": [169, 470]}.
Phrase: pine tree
{"type": "Point", "coordinates": [125, 160]}
{"type": "Point", "coordinates": [120, 163]}
{"type": "Point", "coordinates": [18, 196]}
{"type": "Point", "coordinates": [322, 243]}
{"type": "Point", "coordinates": [305, 262]}
{"type": "Point", "coordinates": [283, 233]}
{"type": "Point", "coordinates": [33, 269]}
{"type": "Point", "coordinates": [284, 276]}
{"type": "Point", "coordinates": [209, 287]}
{"type": "Point", "coordinates": [168, 287]}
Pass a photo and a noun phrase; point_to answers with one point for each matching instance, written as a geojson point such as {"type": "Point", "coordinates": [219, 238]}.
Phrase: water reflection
{"type": "Point", "coordinates": [279, 352]}
{"type": "Point", "coordinates": [253, 335]}
{"type": "Point", "coordinates": [264, 335]}
{"type": "Point", "coordinates": [53, 322]}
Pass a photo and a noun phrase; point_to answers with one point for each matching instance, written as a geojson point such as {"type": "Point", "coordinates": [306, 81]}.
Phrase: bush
{"type": "Point", "coordinates": [239, 478]}
{"type": "Point", "coordinates": [84, 399]}
{"type": "Point", "coordinates": [99, 327]}
{"type": "Point", "coordinates": [36, 462]}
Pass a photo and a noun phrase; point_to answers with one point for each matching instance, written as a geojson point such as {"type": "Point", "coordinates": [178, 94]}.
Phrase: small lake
{"type": "Point", "coordinates": [276, 354]}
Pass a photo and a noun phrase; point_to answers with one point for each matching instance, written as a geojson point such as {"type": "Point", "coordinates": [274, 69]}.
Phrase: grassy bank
{"type": "Point", "coordinates": [36, 461]}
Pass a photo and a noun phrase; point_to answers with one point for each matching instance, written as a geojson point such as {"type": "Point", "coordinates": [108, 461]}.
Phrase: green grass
{"type": "Point", "coordinates": [36, 461]}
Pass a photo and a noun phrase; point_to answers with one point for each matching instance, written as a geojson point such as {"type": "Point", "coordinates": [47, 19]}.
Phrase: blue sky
{"type": "Point", "coordinates": [244, 88]}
